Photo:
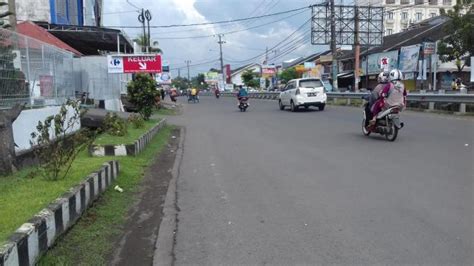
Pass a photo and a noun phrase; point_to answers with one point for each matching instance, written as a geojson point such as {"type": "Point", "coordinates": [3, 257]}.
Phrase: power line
{"type": "Point", "coordinates": [279, 43]}
{"type": "Point", "coordinates": [229, 32]}
{"type": "Point", "coordinates": [203, 63]}
{"type": "Point", "coordinates": [215, 22]}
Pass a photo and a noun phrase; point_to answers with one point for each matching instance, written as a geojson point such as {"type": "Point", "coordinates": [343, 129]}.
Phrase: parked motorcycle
{"type": "Point", "coordinates": [387, 123]}
{"type": "Point", "coordinates": [243, 104]}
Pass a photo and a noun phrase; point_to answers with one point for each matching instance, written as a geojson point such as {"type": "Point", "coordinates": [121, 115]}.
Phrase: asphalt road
{"type": "Point", "coordinates": [275, 187]}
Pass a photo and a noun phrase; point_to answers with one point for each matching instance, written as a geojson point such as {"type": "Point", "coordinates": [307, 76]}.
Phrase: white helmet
{"type": "Point", "coordinates": [396, 75]}
{"type": "Point", "coordinates": [383, 77]}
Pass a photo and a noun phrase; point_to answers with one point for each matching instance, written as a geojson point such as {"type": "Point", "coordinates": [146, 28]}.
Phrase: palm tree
{"type": "Point", "coordinates": [143, 42]}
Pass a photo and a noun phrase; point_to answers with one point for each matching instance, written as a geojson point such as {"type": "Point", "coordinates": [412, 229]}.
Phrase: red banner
{"type": "Point", "coordinates": [142, 63]}
{"type": "Point", "coordinates": [227, 74]}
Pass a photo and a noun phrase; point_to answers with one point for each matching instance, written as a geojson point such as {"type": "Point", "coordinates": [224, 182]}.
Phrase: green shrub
{"type": "Point", "coordinates": [137, 121]}
{"type": "Point", "coordinates": [142, 93]}
{"type": "Point", "coordinates": [114, 125]}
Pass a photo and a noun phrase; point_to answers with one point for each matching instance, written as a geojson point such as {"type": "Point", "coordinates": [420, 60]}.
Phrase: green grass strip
{"type": "Point", "coordinates": [132, 135]}
{"type": "Point", "coordinates": [88, 242]}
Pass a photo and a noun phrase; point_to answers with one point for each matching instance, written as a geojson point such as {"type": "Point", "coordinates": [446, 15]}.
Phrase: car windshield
{"type": "Point", "coordinates": [311, 83]}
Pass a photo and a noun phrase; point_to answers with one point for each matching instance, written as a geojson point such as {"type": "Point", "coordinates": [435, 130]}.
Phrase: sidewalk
{"type": "Point", "coordinates": [136, 246]}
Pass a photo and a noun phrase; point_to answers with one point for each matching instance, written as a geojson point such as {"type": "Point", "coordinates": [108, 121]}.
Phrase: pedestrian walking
{"type": "Point", "coordinates": [454, 85]}
{"type": "Point", "coordinates": [162, 92]}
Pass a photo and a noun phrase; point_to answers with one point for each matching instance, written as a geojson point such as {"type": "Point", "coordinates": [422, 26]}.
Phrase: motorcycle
{"type": "Point", "coordinates": [387, 123]}
{"type": "Point", "coordinates": [243, 104]}
{"type": "Point", "coordinates": [218, 94]}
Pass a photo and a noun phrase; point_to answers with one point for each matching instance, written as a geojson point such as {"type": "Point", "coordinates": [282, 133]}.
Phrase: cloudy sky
{"type": "Point", "coordinates": [240, 46]}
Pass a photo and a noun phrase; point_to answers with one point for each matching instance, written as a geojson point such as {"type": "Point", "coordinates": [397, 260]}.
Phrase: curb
{"type": "Point", "coordinates": [164, 246]}
{"type": "Point", "coordinates": [128, 149]}
{"type": "Point", "coordinates": [34, 237]}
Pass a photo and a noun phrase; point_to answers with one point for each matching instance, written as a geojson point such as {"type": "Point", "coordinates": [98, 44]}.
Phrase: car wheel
{"type": "Point", "coordinates": [321, 107]}
{"type": "Point", "coordinates": [293, 107]}
{"type": "Point", "coordinates": [282, 107]}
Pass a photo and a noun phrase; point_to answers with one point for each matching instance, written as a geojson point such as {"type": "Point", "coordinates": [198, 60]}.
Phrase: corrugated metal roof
{"type": "Point", "coordinates": [32, 30]}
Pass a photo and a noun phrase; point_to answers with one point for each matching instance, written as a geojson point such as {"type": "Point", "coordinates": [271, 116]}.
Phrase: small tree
{"type": "Point", "coordinates": [288, 74]}
{"type": "Point", "coordinates": [459, 44]}
{"type": "Point", "coordinates": [247, 78]}
{"type": "Point", "coordinates": [142, 92]}
{"type": "Point", "coordinates": [199, 81]}
{"type": "Point", "coordinates": [55, 145]}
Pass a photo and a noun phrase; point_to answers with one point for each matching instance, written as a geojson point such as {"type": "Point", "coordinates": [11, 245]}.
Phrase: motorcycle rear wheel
{"type": "Point", "coordinates": [394, 133]}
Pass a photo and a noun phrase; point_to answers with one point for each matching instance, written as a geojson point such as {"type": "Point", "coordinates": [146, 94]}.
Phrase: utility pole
{"type": "Point", "coordinates": [220, 42]}
{"type": "Point", "coordinates": [12, 11]}
{"type": "Point", "coordinates": [179, 72]}
{"type": "Point", "coordinates": [187, 64]}
{"type": "Point", "coordinates": [141, 19]}
{"type": "Point", "coordinates": [356, 48]}
{"type": "Point", "coordinates": [148, 38]}
{"type": "Point", "coordinates": [333, 46]}
{"type": "Point", "coordinates": [266, 55]}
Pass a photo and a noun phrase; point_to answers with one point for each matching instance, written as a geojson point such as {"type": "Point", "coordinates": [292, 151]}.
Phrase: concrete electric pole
{"type": "Point", "coordinates": [12, 17]}
{"type": "Point", "coordinates": [220, 42]}
{"type": "Point", "coordinates": [333, 46]}
{"type": "Point", "coordinates": [187, 65]}
{"type": "Point", "coordinates": [356, 48]}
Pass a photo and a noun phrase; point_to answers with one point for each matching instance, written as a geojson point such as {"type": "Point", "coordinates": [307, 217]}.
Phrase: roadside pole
{"type": "Point", "coordinates": [12, 16]}
{"type": "Point", "coordinates": [356, 48]}
{"type": "Point", "coordinates": [333, 46]}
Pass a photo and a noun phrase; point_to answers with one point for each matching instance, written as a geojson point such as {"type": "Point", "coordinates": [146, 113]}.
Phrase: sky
{"type": "Point", "coordinates": [239, 47]}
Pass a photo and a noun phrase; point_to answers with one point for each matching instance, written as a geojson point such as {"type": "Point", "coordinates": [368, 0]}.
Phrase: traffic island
{"type": "Point", "coordinates": [33, 238]}
{"type": "Point", "coordinates": [125, 146]}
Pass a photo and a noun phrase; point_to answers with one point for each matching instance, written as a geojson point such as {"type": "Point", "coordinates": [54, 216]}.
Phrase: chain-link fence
{"type": "Point", "coordinates": [40, 74]}
{"type": "Point", "coordinates": [33, 72]}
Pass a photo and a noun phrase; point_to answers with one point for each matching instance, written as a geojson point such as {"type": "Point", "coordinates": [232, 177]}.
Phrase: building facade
{"type": "Point", "coordinates": [400, 14]}
{"type": "Point", "coordinates": [61, 12]}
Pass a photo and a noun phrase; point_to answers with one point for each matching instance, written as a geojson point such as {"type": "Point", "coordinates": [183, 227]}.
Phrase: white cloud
{"type": "Point", "coordinates": [239, 46]}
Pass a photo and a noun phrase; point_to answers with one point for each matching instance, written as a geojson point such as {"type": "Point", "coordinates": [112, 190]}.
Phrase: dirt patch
{"type": "Point", "coordinates": [137, 243]}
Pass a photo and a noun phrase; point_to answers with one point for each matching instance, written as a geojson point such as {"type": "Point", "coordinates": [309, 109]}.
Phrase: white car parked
{"type": "Point", "coordinates": [304, 92]}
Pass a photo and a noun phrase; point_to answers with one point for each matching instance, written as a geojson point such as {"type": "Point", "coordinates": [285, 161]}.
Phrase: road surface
{"type": "Point", "coordinates": [275, 187]}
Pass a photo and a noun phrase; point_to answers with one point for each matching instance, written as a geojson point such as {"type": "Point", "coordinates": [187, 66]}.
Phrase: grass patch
{"type": "Point", "coordinates": [165, 111]}
{"type": "Point", "coordinates": [88, 242]}
{"type": "Point", "coordinates": [132, 135]}
{"type": "Point", "coordinates": [22, 196]}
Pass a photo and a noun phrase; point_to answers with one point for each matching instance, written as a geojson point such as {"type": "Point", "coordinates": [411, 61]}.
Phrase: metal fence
{"type": "Point", "coordinates": [39, 74]}
{"type": "Point", "coordinates": [33, 72]}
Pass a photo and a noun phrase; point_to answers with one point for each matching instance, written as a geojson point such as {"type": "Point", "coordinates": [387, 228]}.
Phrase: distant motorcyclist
{"type": "Point", "coordinates": [242, 93]}
{"type": "Point", "coordinates": [393, 94]}
{"type": "Point", "coordinates": [382, 80]}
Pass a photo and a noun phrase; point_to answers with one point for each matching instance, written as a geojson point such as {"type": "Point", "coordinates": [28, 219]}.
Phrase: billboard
{"type": "Point", "coordinates": [409, 58]}
{"type": "Point", "coordinates": [268, 71]}
{"type": "Point", "coordinates": [375, 62]}
{"type": "Point", "coordinates": [227, 74]}
{"type": "Point", "coordinates": [134, 63]}
{"type": "Point", "coordinates": [211, 76]}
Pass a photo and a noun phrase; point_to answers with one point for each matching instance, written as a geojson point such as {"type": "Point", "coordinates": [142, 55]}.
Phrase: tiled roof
{"type": "Point", "coordinates": [32, 30]}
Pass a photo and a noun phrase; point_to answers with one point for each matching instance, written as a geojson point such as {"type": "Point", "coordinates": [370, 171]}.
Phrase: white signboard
{"type": "Point", "coordinates": [163, 78]}
{"type": "Point", "coordinates": [262, 83]}
{"type": "Point", "coordinates": [229, 87]}
{"type": "Point", "coordinates": [114, 64]}
{"type": "Point", "coordinates": [472, 68]}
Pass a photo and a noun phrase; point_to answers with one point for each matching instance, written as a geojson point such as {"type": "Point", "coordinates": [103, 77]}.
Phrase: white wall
{"type": "Point", "coordinates": [26, 123]}
{"type": "Point", "coordinates": [33, 10]}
